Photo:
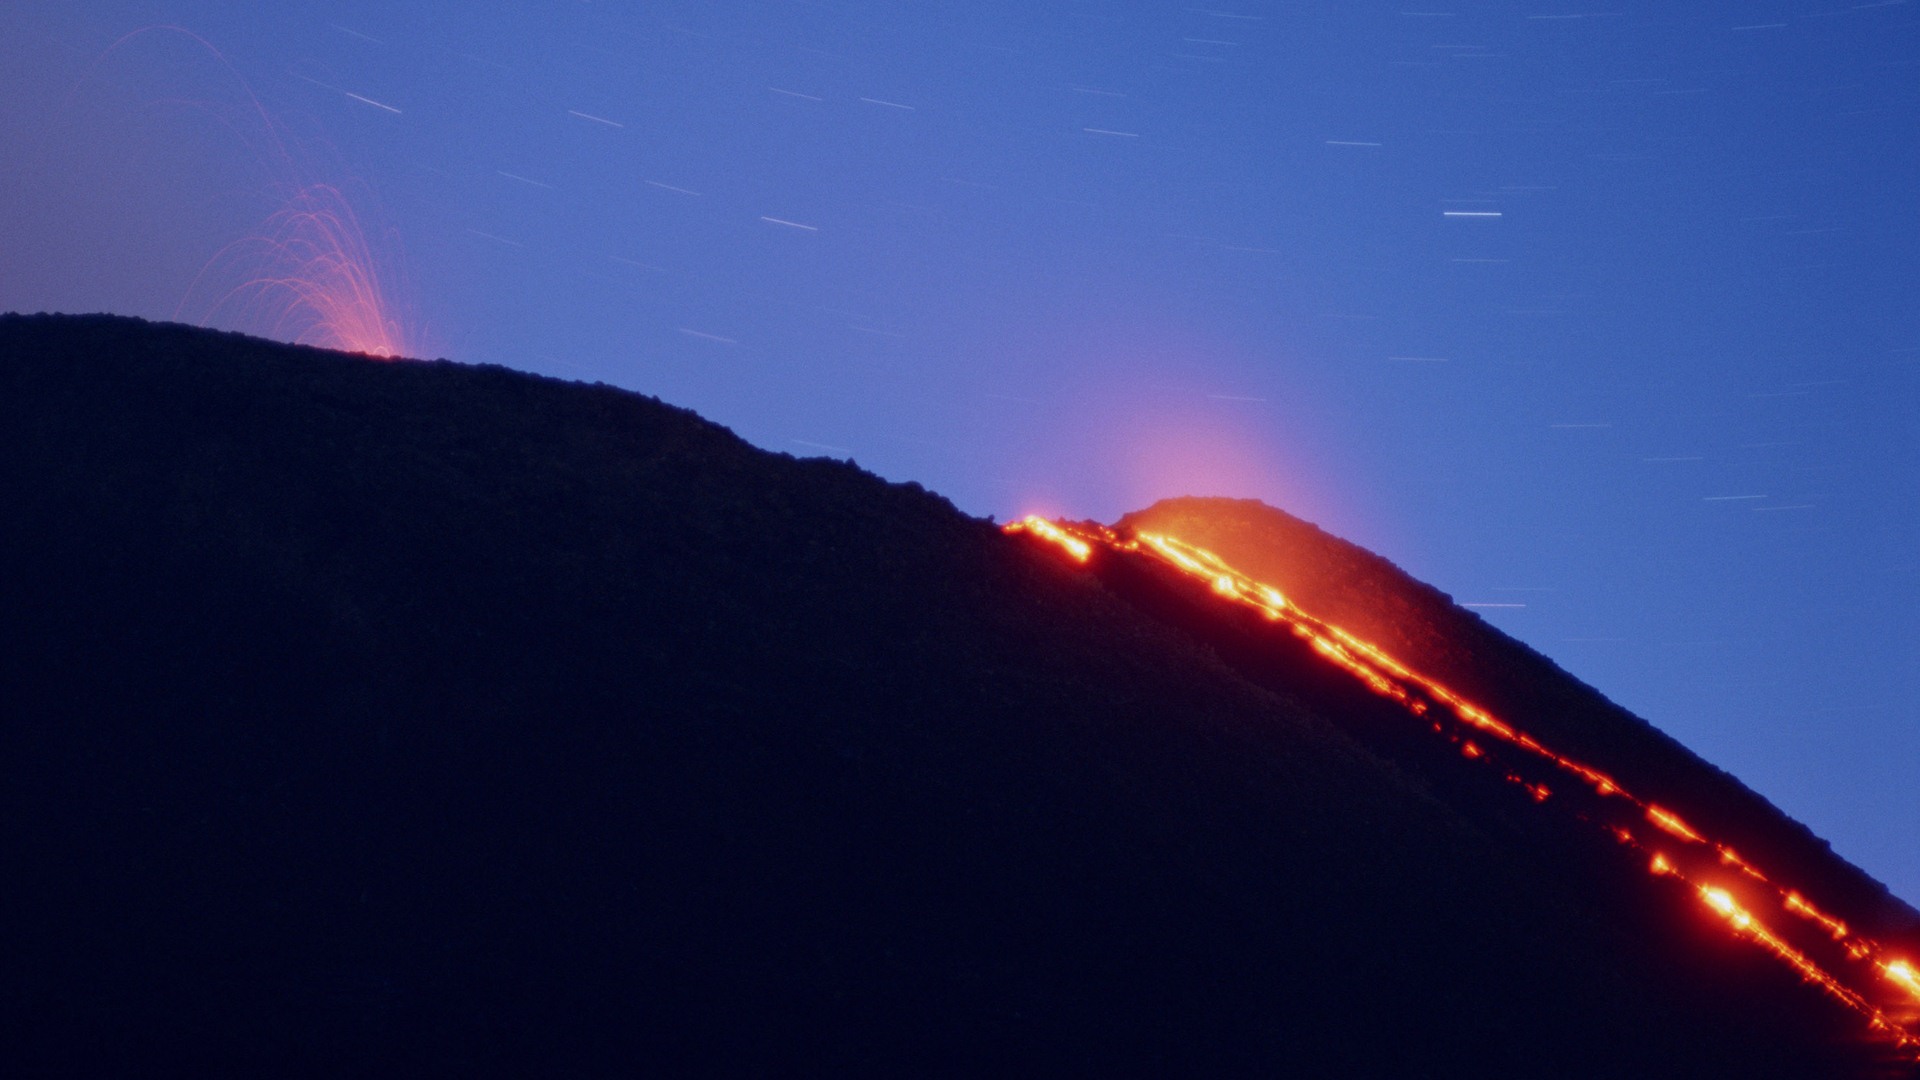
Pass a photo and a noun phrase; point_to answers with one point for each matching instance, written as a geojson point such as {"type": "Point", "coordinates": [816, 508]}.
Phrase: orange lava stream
{"type": "Point", "coordinates": [1875, 968]}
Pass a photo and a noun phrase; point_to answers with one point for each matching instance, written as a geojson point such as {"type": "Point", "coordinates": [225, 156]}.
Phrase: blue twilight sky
{"type": "Point", "coordinates": [1601, 318]}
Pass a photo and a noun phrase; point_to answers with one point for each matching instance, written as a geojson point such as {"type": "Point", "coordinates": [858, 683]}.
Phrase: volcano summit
{"type": "Point", "coordinates": [417, 718]}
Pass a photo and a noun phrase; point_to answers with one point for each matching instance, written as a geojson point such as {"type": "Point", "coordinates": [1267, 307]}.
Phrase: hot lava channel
{"type": "Point", "coordinates": [1874, 980]}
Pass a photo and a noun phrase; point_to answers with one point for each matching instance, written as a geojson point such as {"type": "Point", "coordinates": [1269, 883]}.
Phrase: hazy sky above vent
{"type": "Point", "coordinates": [1603, 321]}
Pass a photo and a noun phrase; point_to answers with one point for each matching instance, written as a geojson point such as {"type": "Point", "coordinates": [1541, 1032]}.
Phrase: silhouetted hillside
{"type": "Point", "coordinates": [423, 719]}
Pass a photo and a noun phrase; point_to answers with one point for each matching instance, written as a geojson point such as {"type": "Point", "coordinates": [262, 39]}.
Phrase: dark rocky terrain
{"type": "Point", "coordinates": [423, 719]}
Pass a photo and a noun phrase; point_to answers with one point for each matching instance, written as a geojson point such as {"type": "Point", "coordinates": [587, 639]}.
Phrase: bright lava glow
{"type": "Point", "coordinates": [1672, 823]}
{"type": "Point", "coordinates": [1689, 856]}
{"type": "Point", "coordinates": [1903, 973]}
{"type": "Point", "coordinates": [1079, 549]}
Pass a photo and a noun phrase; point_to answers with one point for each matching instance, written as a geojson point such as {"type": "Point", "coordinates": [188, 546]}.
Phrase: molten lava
{"type": "Point", "coordinates": [1861, 974]}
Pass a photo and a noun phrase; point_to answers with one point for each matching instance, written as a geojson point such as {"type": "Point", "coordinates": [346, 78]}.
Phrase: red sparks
{"type": "Point", "coordinates": [1857, 988]}
{"type": "Point", "coordinates": [310, 277]}
{"type": "Point", "coordinates": [312, 274]}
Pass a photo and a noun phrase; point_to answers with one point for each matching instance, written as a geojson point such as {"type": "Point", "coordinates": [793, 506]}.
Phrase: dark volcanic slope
{"type": "Point", "coordinates": [419, 718]}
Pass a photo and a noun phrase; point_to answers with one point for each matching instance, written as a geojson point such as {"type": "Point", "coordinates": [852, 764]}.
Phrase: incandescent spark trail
{"type": "Point", "coordinates": [1852, 969]}
{"type": "Point", "coordinates": [314, 273]}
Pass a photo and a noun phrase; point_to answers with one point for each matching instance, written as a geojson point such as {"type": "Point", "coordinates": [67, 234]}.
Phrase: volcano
{"type": "Point", "coordinates": [428, 719]}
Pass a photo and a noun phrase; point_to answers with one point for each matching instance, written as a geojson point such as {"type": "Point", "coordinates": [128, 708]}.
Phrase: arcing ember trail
{"type": "Point", "coordinates": [1858, 972]}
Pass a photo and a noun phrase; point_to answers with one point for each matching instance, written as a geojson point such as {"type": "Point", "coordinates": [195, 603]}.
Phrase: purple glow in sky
{"type": "Point", "coordinates": [1601, 322]}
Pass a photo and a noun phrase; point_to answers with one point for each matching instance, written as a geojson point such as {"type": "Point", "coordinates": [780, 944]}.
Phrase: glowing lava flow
{"type": "Point", "coordinates": [1725, 883]}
